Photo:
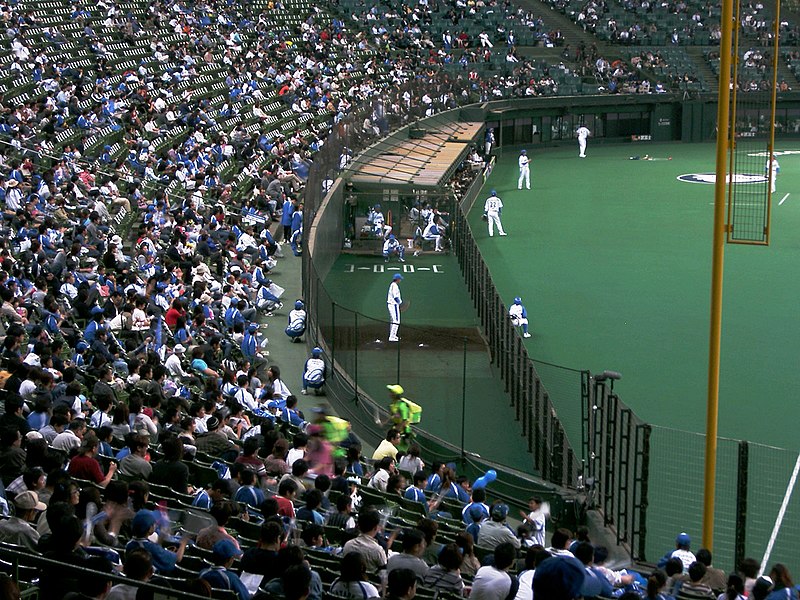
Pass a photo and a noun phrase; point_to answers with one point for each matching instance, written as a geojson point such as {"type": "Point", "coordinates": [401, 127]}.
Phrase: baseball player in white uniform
{"type": "Point", "coordinates": [489, 141]}
{"type": "Point", "coordinates": [519, 316]}
{"type": "Point", "coordinates": [583, 134]}
{"type": "Point", "coordinates": [524, 170]}
{"type": "Point", "coordinates": [433, 234]}
{"type": "Point", "coordinates": [775, 168]}
{"type": "Point", "coordinates": [393, 302]}
{"type": "Point", "coordinates": [491, 210]}
{"type": "Point", "coordinates": [392, 246]}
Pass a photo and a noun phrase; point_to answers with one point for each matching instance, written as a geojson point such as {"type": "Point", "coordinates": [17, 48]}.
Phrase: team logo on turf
{"type": "Point", "coordinates": [741, 178]}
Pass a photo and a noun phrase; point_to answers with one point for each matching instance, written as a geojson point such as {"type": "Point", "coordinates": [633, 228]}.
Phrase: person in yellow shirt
{"type": "Point", "coordinates": [388, 446]}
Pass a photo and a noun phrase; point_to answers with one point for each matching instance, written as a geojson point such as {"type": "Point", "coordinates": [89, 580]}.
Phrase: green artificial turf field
{"type": "Point", "coordinates": [434, 366]}
{"type": "Point", "coordinates": [612, 258]}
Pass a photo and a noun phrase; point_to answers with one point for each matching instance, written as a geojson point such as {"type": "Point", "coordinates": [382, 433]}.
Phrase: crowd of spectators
{"type": "Point", "coordinates": [153, 162]}
{"type": "Point", "coordinates": [641, 22]}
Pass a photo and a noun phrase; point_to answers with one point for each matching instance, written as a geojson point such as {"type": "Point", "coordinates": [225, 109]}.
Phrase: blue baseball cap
{"type": "Point", "coordinates": [298, 305]}
{"type": "Point", "coordinates": [683, 539]}
{"type": "Point", "coordinates": [226, 549]}
{"type": "Point", "coordinates": [96, 310]}
{"type": "Point", "coordinates": [397, 277]}
{"type": "Point", "coordinates": [142, 523]}
{"type": "Point", "coordinates": [493, 192]}
{"type": "Point", "coordinates": [316, 351]}
{"type": "Point", "coordinates": [559, 578]}
{"type": "Point", "coordinates": [500, 511]}
{"type": "Point", "coordinates": [517, 300]}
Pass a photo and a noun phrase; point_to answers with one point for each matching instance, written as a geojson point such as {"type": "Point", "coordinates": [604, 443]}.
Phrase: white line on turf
{"type": "Point", "coordinates": [783, 199]}
{"type": "Point", "coordinates": [779, 521]}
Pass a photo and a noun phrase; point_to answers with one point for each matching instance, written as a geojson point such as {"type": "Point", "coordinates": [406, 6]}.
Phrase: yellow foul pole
{"type": "Point", "coordinates": [712, 409]}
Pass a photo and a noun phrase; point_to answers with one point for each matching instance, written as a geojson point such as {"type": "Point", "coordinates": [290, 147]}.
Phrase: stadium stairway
{"type": "Point", "coordinates": [573, 34]}
{"type": "Point", "coordinates": [702, 68]}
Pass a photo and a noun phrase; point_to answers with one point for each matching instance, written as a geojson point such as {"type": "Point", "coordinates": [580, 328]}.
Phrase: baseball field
{"type": "Point", "coordinates": [612, 257]}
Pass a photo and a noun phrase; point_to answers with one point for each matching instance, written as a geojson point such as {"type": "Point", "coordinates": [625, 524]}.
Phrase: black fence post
{"type": "Point", "coordinates": [545, 462]}
{"type": "Point", "coordinates": [623, 465]}
{"type": "Point", "coordinates": [740, 539]}
{"type": "Point", "coordinates": [610, 459]}
{"type": "Point", "coordinates": [557, 474]}
{"type": "Point", "coordinates": [641, 491]}
{"type": "Point", "coordinates": [355, 357]}
{"type": "Point", "coordinates": [586, 412]}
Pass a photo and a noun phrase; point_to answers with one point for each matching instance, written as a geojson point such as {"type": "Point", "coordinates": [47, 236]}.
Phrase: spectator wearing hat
{"type": "Point", "coordinates": [493, 582]}
{"type": "Point", "coordinates": [388, 446]}
{"type": "Point", "coordinates": [85, 465]}
{"type": "Point", "coordinates": [224, 552]}
{"type": "Point", "coordinates": [681, 552]}
{"type": "Point", "coordinates": [175, 367]}
{"type": "Point", "coordinates": [215, 442]}
{"type": "Point", "coordinates": [496, 531]}
{"type": "Point", "coordinates": [369, 524]}
{"type": "Point", "coordinates": [143, 527]}
{"type": "Point", "coordinates": [19, 529]}
{"type": "Point", "coordinates": [413, 548]}
{"type": "Point", "coordinates": [558, 578]}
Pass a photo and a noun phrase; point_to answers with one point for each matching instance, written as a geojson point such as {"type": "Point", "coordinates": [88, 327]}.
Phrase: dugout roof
{"type": "Point", "coordinates": [426, 162]}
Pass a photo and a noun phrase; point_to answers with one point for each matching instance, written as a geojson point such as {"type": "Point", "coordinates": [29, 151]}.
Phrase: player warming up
{"type": "Point", "coordinates": [491, 211]}
{"type": "Point", "coordinates": [775, 168]}
{"type": "Point", "coordinates": [519, 316]}
{"type": "Point", "coordinates": [393, 301]}
{"type": "Point", "coordinates": [524, 170]}
{"type": "Point", "coordinates": [583, 134]}
{"type": "Point", "coordinates": [392, 246]}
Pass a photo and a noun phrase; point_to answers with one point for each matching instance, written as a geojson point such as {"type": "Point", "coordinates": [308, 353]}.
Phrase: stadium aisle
{"type": "Point", "coordinates": [290, 357]}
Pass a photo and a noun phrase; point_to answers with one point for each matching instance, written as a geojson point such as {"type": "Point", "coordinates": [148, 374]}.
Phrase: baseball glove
{"type": "Point", "coordinates": [484, 218]}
